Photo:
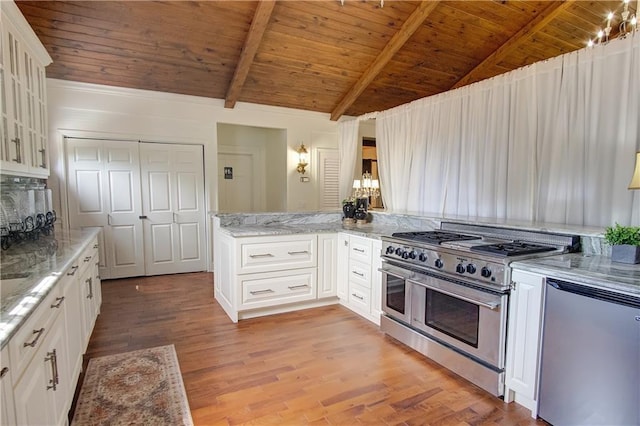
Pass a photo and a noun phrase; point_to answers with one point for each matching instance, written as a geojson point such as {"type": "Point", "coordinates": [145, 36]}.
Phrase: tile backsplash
{"type": "Point", "coordinates": [26, 208]}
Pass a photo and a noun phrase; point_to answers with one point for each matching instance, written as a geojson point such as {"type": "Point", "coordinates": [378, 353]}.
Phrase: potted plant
{"type": "Point", "coordinates": [625, 243]}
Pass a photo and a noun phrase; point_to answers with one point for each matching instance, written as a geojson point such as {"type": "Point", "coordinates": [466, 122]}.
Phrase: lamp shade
{"type": "Point", "coordinates": [635, 180]}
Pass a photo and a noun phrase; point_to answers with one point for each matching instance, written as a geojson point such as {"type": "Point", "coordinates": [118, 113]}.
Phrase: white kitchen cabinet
{"type": "Point", "coordinates": [23, 125]}
{"type": "Point", "coordinates": [327, 265]}
{"type": "Point", "coordinates": [43, 394]}
{"type": "Point", "coordinates": [277, 288]}
{"type": "Point", "coordinates": [342, 266]}
{"type": "Point", "coordinates": [74, 319]}
{"type": "Point", "coordinates": [524, 339]}
{"type": "Point", "coordinates": [361, 279]}
{"type": "Point", "coordinates": [256, 276]}
{"type": "Point", "coordinates": [38, 387]}
{"type": "Point", "coordinates": [89, 291]}
{"type": "Point", "coordinates": [7, 407]}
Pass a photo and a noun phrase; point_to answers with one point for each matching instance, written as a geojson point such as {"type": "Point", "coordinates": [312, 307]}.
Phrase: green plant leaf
{"type": "Point", "coordinates": [619, 235]}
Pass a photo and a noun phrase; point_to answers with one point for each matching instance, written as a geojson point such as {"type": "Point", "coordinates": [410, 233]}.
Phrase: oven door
{"type": "Point", "coordinates": [396, 292]}
{"type": "Point", "coordinates": [470, 320]}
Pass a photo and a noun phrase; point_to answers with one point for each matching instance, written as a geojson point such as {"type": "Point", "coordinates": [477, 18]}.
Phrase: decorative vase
{"type": "Point", "coordinates": [349, 210]}
{"type": "Point", "coordinates": [361, 214]}
{"type": "Point", "coordinates": [625, 253]}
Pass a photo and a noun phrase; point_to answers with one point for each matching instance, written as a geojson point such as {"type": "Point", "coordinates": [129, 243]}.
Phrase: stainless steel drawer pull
{"type": "Point", "coordinates": [55, 379]}
{"type": "Point", "coordinates": [4, 372]}
{"type": "Point", "coordinates": [295, 287]}
{"type": "Point", "coordinates": [254, 256]}
{"type": "Point", "coordinates": [57, 305]}
{"type": "Point", "coordinates": [90, 282]}
{"type": "Point", "coordinates": [261, 291]}
{"type": "Point", "coordinates": [358, 273]}
{"type": "Point", "coordinates": [74, 269]}
{"type": "Point", "coordinates": [359, 250]}
{"type": "Point", "coordinates": [357, 296]}
{"type": "Point", "coordinates": [32, 343]}
{"type": "Point", "coordinates": [298, 252]}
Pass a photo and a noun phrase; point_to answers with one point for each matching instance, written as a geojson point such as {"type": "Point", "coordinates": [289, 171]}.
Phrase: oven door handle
{"type": "Point", "coordinates": [396, 271]}
{"type": "Point", "coordinates": [484, 303]}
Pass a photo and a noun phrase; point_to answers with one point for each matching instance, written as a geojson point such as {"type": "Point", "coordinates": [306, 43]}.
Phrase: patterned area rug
{"type": "Point", "coordinates": [141, 387]}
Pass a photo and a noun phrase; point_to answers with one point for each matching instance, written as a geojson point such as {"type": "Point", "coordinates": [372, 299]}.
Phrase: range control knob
{"type": "Point", "coordinates": [460, 268]}
{"type": "Point", "coordinates": [422, 257]}
{"type": "Point", "coordinates": [471, 268]}
{"type": "Point", "coordinates": [413, 254]}
{"type": "Point", "coordinates": [399, 251]}
{"type": "Point", "coordinates": [390, 249]}
{"type": "Point", "coordinates": [485, 272]}
{"type": "Point", "coordinates": [439, 263]}
{"type": "Point", "coordinates": [405, 254]}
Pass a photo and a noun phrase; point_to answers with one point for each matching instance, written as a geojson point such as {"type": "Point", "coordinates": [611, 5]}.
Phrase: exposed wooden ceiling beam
{"type": "Point", "coordinates": [258, 25]}
{"type": "Point", "coordinates": [410, 26]}
{"type": "Point", "coordinates": [536, 24]}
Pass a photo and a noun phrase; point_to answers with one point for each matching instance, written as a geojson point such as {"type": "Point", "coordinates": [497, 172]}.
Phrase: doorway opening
{"type": "Point", "coordinates": [252, 164]}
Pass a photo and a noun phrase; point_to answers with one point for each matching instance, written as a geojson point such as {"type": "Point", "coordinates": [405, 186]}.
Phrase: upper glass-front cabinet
{"type": "Point", "coordinates": [23, 131]}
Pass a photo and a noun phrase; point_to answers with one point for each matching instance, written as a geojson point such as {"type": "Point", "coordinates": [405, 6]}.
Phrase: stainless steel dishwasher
{"type": "Point", "coordinates": [590, 370]}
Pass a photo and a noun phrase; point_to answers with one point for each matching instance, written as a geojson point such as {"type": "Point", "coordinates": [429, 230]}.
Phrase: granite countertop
{"type": "Point", "coordinates": [590, 270]}
{"type": "Point", "coordinates": [369, 230]}
{"type": "Point", "coordinates": [30, 269]}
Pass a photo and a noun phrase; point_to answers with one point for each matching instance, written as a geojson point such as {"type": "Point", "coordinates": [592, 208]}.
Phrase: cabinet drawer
{"type": "Point", "coordinates": [25, 343]}
{"type": "Point", "coordinates": [359, 297]}
{"type": "Point", "coordinates": [275, 288]}
{"type": "Point", "coordinates": [360, 273]}
{"type": "Point", "coordinates": [360, 249]}
{"type": "Point", "coordinates": [271, 254]}
{"type": "Point", "coordinates": [88, 257]}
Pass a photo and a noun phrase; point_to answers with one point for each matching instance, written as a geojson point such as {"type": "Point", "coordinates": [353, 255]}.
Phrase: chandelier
{"type": "Point", "coordinates": [628, 24]}
{"type": "Point", "coordinates": [368, 187]}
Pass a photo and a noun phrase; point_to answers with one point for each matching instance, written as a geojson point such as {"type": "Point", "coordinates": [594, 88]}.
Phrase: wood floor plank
{"type": "Point", "coordinates": [322, 366]}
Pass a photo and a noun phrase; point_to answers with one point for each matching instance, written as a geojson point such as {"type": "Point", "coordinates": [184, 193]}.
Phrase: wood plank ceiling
{"type": "Point", "coordinates": [323, 56]}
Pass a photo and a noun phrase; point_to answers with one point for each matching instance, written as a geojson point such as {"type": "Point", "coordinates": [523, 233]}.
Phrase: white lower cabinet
{"type": "Point", "coordinates": [7, 406]}
{"type": "Point", "coordinates": [359, 281]}
{"type": "Point", "coordinates": [256, 276]}
{"type": "Point", "coordinates": [342, 265]}
{"type": "Point", "coordinates": [327, 265]}
{"type": "Point", "coordinates": [277, 288]}
{"type": "Point", "coordinates": [43, 393]}
{"type": "Point", "coordinates": [38, 387]}
{"type": "Point", "coordinates": [524, 340]}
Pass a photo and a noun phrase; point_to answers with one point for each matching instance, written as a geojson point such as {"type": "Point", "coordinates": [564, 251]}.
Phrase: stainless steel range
{"type": "Point", "coordinates": [446, 293]}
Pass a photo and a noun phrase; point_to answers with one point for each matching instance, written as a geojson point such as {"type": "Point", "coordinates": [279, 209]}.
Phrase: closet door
{"type": "Point", "coordinates": [173, 207]}
{"type": "Point", "coordinates": [103, 187]}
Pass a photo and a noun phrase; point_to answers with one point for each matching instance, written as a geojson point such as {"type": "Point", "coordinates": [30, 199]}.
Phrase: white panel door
{"type": "Point", "coordinates": [173, 203]}
{"type": "Point", "coordinates": [103, 184]}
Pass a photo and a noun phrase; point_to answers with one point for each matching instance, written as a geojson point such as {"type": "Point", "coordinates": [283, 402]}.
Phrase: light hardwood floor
{"type": "Point", "coordinates": [319, 366]}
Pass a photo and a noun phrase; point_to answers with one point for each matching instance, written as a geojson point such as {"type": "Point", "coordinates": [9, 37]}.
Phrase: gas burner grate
{"type": "Point", "coordinates": [433, 237]}
{"type": "Point", "coordinates": [515, 248]}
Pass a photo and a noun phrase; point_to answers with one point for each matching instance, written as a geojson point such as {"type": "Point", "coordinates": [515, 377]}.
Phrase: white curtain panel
{"type": "Point", "coordinates": [348, 152]}
{"type": "Point", "coordinates": [552, 142]}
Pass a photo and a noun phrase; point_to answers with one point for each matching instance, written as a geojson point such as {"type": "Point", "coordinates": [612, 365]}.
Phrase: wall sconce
{"type": "Point", "coordinates": [635, 180]}
{"type": "Point", "coordinates": [303, 158]}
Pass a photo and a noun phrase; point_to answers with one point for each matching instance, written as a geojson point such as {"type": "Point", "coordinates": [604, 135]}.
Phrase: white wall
{"type": "Point", "coordinates": [79, 109]}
